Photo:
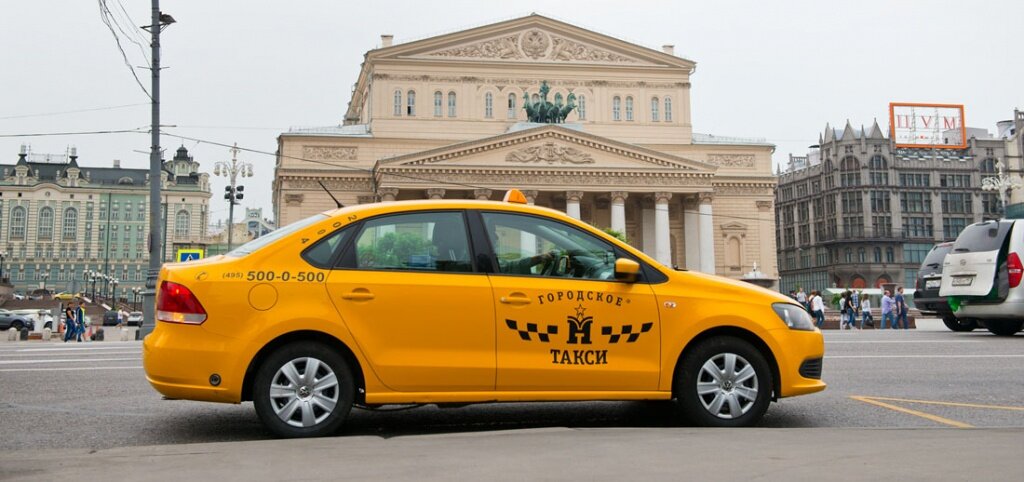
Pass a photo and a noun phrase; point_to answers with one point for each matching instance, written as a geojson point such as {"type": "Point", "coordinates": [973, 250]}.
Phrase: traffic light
{"type": "Point", "coordinates": [231, 194]}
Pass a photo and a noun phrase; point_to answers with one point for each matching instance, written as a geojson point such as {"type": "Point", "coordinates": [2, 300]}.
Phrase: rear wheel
{"type": "Point", "coordinates": [957, 324]}
{"type": "Point", "coordinates": [17, 325]}
{"type": "Point", "coordinates": [1004, 327]}
{"type": "Point", "coordinates": [303, 390]}
{"type": "Point", "coordinates": [723, 382]}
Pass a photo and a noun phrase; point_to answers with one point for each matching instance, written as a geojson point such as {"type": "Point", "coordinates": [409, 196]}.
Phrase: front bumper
{"type": "Point", "coordinates": [797, 372]}
{"type": "Point", "coordinates": [180, 359]}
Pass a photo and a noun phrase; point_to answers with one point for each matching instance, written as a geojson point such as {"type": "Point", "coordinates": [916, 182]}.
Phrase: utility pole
{"type": "Point", "coordinates": [158, 22]}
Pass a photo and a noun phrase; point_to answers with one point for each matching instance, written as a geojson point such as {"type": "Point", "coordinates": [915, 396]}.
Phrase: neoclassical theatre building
{"type": "Point", "coordinates": [444, 118]}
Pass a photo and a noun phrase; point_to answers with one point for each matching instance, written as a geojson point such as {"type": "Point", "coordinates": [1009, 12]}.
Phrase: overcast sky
{"type": "Point", "coordinates": [244, 71]}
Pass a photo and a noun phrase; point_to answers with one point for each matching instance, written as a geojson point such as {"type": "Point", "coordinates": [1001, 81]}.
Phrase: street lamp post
{"type": "Point", "coordinates": [1000, 183]}
{"type": "Point", "coordinates": [113, 292]}
{"type": "Point", "coordinates": [92, 278]}
{"type": "Point", "coordinates": [232, 192]}
{"type": "Point", "coordinates": [3, 256]}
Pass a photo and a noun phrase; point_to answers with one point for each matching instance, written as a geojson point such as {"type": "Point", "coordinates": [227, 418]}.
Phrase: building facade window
{"type": "Point", "coordinates": [879, 171]}
{"type": "Point", "coordinates": [45, 229]}
{"type": "Point", "coordinates": [70, 230]}
{"type": "Point", "coordinates": [181, 222]}
{"type": "Point", "coordinates": [915, 252]}
{"type": "Point", "coordinates": [438, 104]}
{"type": "Point", "coordinates": [410, 103]}
{"type": "Point", "coordinates": [581, 107]}
{"type": "Point", "coordinates": [956, 202]}
{"type": "Point", "coordinates": [654, 109]}
{"type": "Point", "coordinates": [489, 106]}
{"type": "Point", "coordinates": [668, 109]}
{"type": "Point", "coordinates": [879, 201]}
{"type": "Point", "coordinates": [915, 202]}
{"type": "Point", "coordinates": [511, 106]}
{"type": "Point", "coordinates": [915, 179]}
{"type": "Point", "coordinates": [990, 205]}
{"type": "Point", "coordinates": [852, 203]}
{"type": "Point", "coordinates": [616, 108]}
{"type": "Point", "coordinates": [629, 109]}
{"type": "Point", "coordinates": [18, 221]}
{"type": "Point", "coordinates": [917, 227]}
{"type": "Point", "coordinates": [951, 227]}
{"type": "Point", "coordinates": [987, 166]}
{"type": "Point", "coordinates": [397, 111]}
{"type": "Point", "coordinates": [955, 180]}
{"type": "Point", "coordinates": [878, 254]}
{"type": "Point", "coordinates": [850, 172]}
{"type": "Point", "coordinates": [451, 104]}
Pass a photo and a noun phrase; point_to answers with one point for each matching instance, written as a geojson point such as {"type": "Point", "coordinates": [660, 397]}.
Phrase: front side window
{"type": "Point", "coordinates": [433, 241]}
{"type": "Point", "coordinates": [45, 223]}
{"type": "Point", "coordinates": [531, 246]}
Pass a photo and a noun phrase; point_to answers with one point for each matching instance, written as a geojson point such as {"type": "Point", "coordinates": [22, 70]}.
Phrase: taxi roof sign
{"type": "Point", "coordinates": [515, 196]}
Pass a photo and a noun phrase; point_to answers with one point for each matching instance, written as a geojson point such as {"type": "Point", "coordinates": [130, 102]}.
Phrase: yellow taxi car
{"type": "Point", "coordinates": [467, 301]}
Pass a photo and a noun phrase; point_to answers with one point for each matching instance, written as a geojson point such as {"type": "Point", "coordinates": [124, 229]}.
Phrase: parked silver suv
{"type": "Point", "coordinates": [982, 275]}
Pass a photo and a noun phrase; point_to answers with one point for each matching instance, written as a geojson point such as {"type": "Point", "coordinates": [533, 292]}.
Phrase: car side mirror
{"type": "Point", "coordinates": [626, 270]}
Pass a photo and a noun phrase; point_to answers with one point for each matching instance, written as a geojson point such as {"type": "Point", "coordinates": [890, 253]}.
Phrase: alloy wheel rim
{"type": "Point", "coordinates": [304, 392]}
{"type": "Point", "coordinates": [727, 386]}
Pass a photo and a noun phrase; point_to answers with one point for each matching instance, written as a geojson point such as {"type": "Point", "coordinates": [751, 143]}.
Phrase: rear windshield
{"type": "Point", "coordinates": [937, 254]}
{"type": "Point", "coordinates": [981, 237]}
{"type": "Point", "coordinates": [264, 240]}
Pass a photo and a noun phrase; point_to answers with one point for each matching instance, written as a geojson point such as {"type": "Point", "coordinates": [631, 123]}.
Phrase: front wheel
{"type": "Point", "coordinates": [17, 326]}
{"type": "Point", "coordinates": [723, 382]}
{"type": "Point", "coordinates": [303, 390]}
{"type": "Point", "coordinates": [1004, 327]}
{"type": "Point", "coordinates": [957, 324]}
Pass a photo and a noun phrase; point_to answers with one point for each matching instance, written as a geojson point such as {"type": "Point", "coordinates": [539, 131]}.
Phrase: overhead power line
{"type": "Point", "coordinates": [139, 130]}
{"type": "Point", "coordinates": [46, 114]}
{"type": "Point", "coordinates": [109, 21]}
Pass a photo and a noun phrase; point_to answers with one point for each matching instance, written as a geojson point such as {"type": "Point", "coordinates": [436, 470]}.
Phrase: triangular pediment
{"type": "Point", "coordinates": [534, 39]}
{"type": "Point", "coordinates": [548, 146]}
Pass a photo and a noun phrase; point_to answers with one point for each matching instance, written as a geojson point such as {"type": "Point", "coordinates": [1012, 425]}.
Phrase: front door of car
{"type": "Point", "coordinates": [422, 316]}
{"type": "Point", "coordinates": [563, 321]}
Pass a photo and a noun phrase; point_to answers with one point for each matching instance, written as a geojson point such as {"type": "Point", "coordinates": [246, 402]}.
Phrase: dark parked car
{"type": "Point", "coordinates": [926, 296]}
{"type": "Point", "coordinates": [17, 321]}
{"type": "Point", "coordinates": [110, 318]}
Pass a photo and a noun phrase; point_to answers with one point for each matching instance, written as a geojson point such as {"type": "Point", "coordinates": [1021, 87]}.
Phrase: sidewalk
{"type": "Point", "coordinates": [110, 333]}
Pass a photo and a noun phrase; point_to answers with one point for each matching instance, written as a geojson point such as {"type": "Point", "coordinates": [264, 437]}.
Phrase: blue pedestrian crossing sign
{"type": "Point", "coordinates": [189, 255]}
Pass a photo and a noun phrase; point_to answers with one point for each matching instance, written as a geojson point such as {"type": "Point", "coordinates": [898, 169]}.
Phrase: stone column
{"type": "Point", "coordinates": [388, 194]}
{"type": "Point", "coordinates": [662, 240]}
{"type": "Point", "coordinates": [572, 203]}
{"type": "Point", "coordinates": [482, 194]}
{"type": "Point", "coordinates": [707, 240]}
{"type": "Point", "coordinates": [691, 231]}
{"type": "Point", "coordinates": [766, 236]}
{"type": "Point", "coordinates": [619, 210]}
{"type": "Point", "coordinates": [435, 193]}
{"type": "Point", "coordinates": [365, 199]}
{"type": "Point", "coordinates": [531, 196]}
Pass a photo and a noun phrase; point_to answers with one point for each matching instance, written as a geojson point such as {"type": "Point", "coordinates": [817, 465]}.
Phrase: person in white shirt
{"type": "Point", "coordinates": [801, 297]}
{"type": "Point", "coordinates": [865, 312]}
{"type": "Point", "coordinates": [817, 308]}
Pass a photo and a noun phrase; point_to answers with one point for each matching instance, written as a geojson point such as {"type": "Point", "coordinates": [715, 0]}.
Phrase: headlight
{"type": "Point", "coordinates": [795, 317]}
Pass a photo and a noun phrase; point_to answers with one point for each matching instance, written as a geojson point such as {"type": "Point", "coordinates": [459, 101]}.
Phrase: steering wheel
{"type": "Point", "coordinates": [557, 264]}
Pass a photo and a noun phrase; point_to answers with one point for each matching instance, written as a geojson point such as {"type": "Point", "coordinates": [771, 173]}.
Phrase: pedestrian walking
{"type": "Point", "coordinates": [70, 327]}
{"type": "Point", "coordinates": [817, 308]}
{"type": "Point", "coordinates": [801, 297]}
{"type": "Point", "coordinates": [901, 309]}
{"type": "Point", "coordinates": [851, 310]}
{"type": "Point", "coordinates": [79, 313]}
{"type": "Point", "coordinates": [887, 314]}
{"type": "Point", "coordinates": [865, 312]}
{"type": "Point", "coordinates": [842, 311]}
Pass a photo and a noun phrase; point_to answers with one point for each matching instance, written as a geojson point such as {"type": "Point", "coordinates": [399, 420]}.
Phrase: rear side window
{"type": "Point", "coordinates": [982, 237]}
{"type": "Point", "coordinates": [321, 253]}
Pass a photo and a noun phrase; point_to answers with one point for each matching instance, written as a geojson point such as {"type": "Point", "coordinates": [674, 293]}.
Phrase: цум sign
{"type": "Point", "coordinates": [939, 126]}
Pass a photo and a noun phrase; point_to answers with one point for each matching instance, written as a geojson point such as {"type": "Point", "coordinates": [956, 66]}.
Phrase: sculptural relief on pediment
{"type": "Point", "coordinates": [533, 44]}
{"type": "Point", "coordinates": [550, 153]}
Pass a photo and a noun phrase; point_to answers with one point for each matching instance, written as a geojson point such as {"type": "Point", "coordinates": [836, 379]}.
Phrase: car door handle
{"type": "Point", "coordinates": [359, 294]}
{"type": "Point", "coordinates": [515, 299]}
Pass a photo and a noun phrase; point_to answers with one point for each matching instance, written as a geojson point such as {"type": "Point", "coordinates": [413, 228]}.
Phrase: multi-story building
{"type": "Point", "coordinates": [443, 118]}
{"type": "Point", "coordinates": [60, 219]}
{"type": "Point", "coordinates": [858, 212]}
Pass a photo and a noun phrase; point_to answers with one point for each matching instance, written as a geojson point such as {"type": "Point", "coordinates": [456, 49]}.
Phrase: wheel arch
{"type": "Point", "coordinates": [736, 332]}
{"type": "Point", "coordinates": [305, 336]}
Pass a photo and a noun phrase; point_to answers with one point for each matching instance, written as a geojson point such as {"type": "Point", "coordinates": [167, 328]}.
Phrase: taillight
{"type": "Point", "coordinates": [176, 304]}
{"type": "Point", "coordinates": [1015, 269]}
{"type": "Point", "coordinates": [917, 284]}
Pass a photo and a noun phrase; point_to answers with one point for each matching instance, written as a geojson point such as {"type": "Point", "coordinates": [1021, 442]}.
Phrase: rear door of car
{"type": "Point", "coordinates": [931, 270]}
{"type": "Point", "coordinates": [971, 266]}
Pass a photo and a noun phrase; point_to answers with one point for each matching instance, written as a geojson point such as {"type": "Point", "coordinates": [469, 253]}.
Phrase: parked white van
{"type": "Point", "coordinates": [982, 275]}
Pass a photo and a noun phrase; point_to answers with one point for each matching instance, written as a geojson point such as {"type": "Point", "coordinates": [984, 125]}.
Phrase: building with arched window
{"type": "Point", "coordinates": [62, 218]}
{"type": "Point", "coordinates": [625, 158]}
{"type": "Point", "coordinates": [855, 193]}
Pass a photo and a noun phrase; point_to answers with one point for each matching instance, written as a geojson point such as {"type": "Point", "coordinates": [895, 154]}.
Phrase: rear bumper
{"type": "Point", "coordinates": [1006, 310]}
{"type": "Point", "coordinates": [933, 305]}
{"type": "Point", "coordinates": [180, 359]}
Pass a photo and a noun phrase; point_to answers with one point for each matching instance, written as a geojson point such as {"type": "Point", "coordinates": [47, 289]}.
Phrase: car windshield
{"type": "Point", "coordinates": [937, 254]}
{"type": "Point", "coordinates": [982, 237]}
{"type": "Point", "coordinates": [267, 239]}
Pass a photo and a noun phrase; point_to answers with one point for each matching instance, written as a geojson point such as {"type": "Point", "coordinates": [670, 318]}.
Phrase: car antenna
{"type": "Point", "coordinates": [336, 201]}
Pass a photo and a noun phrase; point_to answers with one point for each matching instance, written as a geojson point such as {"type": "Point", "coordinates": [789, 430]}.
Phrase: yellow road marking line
{"type": "Point", "coordinates": [951, 404]}
{"type": "Point", "coordinates": [928, 416]}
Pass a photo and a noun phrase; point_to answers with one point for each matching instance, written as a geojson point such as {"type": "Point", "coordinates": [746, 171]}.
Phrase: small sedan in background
{"type": "Point", "coordinates": [135, 318]}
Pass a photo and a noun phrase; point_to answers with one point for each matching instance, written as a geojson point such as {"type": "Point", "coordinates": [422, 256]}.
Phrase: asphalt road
{"type": "Point", "coordinates": [94, 396]}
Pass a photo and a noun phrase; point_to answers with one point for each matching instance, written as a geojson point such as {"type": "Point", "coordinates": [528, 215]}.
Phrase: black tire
{"type": "Point", "coordinates": [957, 324]}
{"type": "Point", "coordinates": [292, 354]}
{"type": "Point", "coordinates": [48, 325]}
{"type": "Point", "coordinates": [700, 409]}
{"type": "Point", "coordinates": [1004, 327]}
{"type": "Point", "coordinates": [17, 325]}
